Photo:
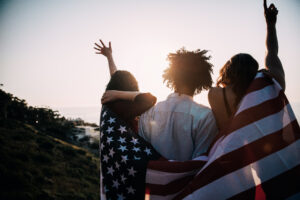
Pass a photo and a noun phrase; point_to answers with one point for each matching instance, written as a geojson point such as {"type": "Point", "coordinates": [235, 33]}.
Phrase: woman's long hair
{"type": "Point", "coordinates": [123, 81]}
{"type": "Point", "coordinates": [238, 72]}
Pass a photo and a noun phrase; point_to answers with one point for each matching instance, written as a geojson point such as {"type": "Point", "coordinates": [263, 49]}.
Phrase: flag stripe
{"type": "Point", "coordinates": [279, 187]}
{"type": "Point", "coordinates": [258, 112]}
{"type": "Point", "coordinates": [243, 178]}
{"type": "Point", "coordinates": [246, 154]}
{"type": "Point", "coordinates": [265, 126]}
{"type": "Point", "coordinates": [177, 167]}
{"type": "Point", "coordinates": [259, 96]}
{"type": "Point", "coordinates": [155, 177]}
{"type": "Point", "coordinates": [258, 84]}
{"type": "Point", "coordinates": [170, 188]}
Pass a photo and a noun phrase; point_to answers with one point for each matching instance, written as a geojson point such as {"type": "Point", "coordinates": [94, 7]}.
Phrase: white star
{"type": "Point", "coordinates": [104, 114]}
{"type": "Point", "coordinates": [136, 149]}
{"type": "Point", "coordinates": [134, 141]}
{"type": "Point", "coordinates": [102, 123]}
{"type": "Point", "coordinates": [111, 120]}
{"type": "Point", "coordinates": [122, 129]}
{"type": "Point", "coordinates": [110, 129]}
{"type": "Point", "coordinates": [130, 190]}
{"type": "Point", "coordinates": [102, 146]}
{"type": "Point", "coordinates": [148, 151]}
{"type": "Point", "coordinates": [117, 165]}
{"type": "Point", "coordinates": [131, 171]}
{"type": "Point", "coordinates": [105, 158]}
{"type": "Point", "coordinates": [123, 148]}
{"type": "Point", "coordinates": [121, 197]}
{"type": "Point", "coordinates": [105, 189]}
{"type": "Point", "coordinates": [109, 140]}
{"type": "Point", "coordinates": [137, 158]}
{"type": "Point", "coordinates": [122, 140]}
{"type": "Point", "coordinates": [110, 170]}
{"type": "Point", "coordinates": [124, 159]}
{"type": "Point", "coordinates": [123, 178]}
{"type": "Point", "coordinates": [116, 184]}
{"type": "Point", "coordinates": [111, 152]}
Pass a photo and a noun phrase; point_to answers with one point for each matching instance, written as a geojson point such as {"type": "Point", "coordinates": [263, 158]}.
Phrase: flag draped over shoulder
{"type": "Point", "coordinates": [256, 157]}
{"type": "Point", "coordinates": [123, 159]}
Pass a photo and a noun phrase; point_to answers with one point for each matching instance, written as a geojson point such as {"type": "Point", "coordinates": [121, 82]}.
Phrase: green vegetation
{"type": "Point", "coordinates": [37, 159]}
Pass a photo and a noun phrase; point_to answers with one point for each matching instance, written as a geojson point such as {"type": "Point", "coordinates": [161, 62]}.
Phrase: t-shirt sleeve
{"type": "Point", "coordinates": [131, 109]}
{"type": "Point", "coordinates": [206, 132]}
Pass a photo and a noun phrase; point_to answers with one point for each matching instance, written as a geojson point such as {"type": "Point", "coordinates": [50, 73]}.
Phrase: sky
{"type": "Point", "coordinates": [47, 55]}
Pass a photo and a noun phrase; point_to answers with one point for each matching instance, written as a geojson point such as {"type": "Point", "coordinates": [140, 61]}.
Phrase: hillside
{"type": "Point", "coordinates": [38, 166]}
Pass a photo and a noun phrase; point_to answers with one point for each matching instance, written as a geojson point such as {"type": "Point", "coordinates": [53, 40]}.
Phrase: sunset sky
{"type": "Point", "coordinates": [47, 55]}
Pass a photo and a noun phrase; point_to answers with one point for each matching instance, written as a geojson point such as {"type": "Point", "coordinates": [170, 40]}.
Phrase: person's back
{"type": "Point", "coordinates": [178, 128]}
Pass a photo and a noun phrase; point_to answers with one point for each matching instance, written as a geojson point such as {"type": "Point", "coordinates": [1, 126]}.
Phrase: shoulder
{"type": "Point", "coordinates": [214, 93]}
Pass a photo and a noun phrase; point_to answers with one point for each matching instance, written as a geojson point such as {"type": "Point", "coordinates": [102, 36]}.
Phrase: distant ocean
{"type": "Point", "coordinates": [88, 114]}
{"type": "Point", "coordinates": [92, 114]}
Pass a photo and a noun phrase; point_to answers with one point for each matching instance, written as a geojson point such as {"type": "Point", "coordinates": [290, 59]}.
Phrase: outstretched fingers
{"type": "Point", "coordinates": [102, 44]}
{"type": "Point", "coordinates": [265, 5]}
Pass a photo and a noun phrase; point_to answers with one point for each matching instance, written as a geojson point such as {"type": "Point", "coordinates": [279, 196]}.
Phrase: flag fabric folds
{"type": "Point", "coordinates": [123, 156]}
{"type": "Point", "coordinates": [256, 157]}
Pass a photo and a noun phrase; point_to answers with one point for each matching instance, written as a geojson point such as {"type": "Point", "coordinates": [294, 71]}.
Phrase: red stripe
{"type": "Point", "coordinates": [258, 112]}
{"type": "Point", "coordinates": [175, 167]}
{"type": "Point", "coordinates": [247, 154]}
{"type": "Point", "coordinates": [170, 188]}
{"type": "Point", "coordinates": [279, 187]}
{"type": "Point", "coordinates": [258, 84]}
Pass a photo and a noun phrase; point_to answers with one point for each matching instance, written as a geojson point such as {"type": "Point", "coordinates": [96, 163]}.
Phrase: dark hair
{"type": "Point", "coordinates": [238, 72]}
{"type": "Point", "coordinates": [189, 68]}
{"type": "Point", "coordinates": [123, 81]}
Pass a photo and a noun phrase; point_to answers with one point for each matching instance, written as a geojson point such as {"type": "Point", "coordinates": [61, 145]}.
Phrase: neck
{"type": "Point", "coordinates": [186, 91]}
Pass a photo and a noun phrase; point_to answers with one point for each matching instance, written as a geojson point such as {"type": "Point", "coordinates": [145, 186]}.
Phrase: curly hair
{"type": "Point", "coordinates": [238, 72]}
{"type": "Point", "coordinates": [189, 68]}
{"type": "Point", "coordinates": [123, 81]}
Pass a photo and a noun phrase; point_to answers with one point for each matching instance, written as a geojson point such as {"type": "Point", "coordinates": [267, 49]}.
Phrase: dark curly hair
{"type": "Point", "coordinates": [238, 72]}
{"type": "Point", "coordinates": [122, 80]}
{"type": "Point", "coordinates": [189, 68]}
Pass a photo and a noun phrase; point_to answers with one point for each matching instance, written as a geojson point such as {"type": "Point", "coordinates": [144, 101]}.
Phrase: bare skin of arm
{"type": "Point", "coordinates": [112, 95]}
{"type": "Point", "coordinates": [107, 52]}
{"type": "Point", "coordinates": [272, 61]}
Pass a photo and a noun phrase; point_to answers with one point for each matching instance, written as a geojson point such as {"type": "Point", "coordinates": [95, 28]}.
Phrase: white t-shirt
{"type": "Point", "coordinates": [179, 128]}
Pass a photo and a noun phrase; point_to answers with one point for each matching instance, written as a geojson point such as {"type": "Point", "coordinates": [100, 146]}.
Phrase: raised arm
{"type": "Point", "coordinates": [272, 61]}
{"type": "Point", "coordinates": [107, 52]}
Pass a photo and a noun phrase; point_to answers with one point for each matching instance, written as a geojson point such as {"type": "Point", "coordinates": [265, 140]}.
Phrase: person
{"type": "Point", "coordinates": [127, 109]}
{"type": "Point", "coordinates": [179, 128]}
{"type": "Point", "coordinates": [237, 74]}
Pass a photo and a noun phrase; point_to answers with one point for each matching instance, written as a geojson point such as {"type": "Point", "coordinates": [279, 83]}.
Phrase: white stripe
{"type": "Point", "coordinates": [257, 97]}
{"type": "Point", "coordinates": [252, 132]}
{"type": "Point", "coordinates": [202, 158]}
{"type": "Point", "coordinates": [259, 75]}
{"type": "Point", "coordinates": [243, 179]}
{"type": "Point", "coordinates": [163, 178]}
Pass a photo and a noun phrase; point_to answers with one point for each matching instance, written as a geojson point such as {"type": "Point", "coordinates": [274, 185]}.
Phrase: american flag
{"type": "Point", "coordinates": [256, 157]}
{"type": "Point", "coordinates": [124, 156]}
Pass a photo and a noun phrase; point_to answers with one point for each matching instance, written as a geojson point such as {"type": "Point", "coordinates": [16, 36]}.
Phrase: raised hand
{"type": "Point", "coordinates": [107, 52]}
{"type": "Point", "coordinates": [270, 13]}
{"type": "Point", "coordinates": [104, 50]}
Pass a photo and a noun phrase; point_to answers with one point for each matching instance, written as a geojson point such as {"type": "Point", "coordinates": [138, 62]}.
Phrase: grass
{"type": "Point", "coordinates": [34, 165]}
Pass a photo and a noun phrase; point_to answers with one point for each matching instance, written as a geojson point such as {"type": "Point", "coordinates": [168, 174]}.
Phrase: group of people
{"type": "Point", "coordinates": [179, 128]}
